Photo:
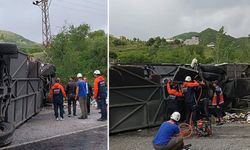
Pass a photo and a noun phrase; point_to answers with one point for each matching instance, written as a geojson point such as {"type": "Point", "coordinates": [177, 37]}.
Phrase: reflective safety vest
{"type": "Point", "coordinates": [218, 97]}
{"type": "Point", "coordinates": [189, 92]}
{"type": "Point", "coordinates": [57, 93]}
{"type": "Point", "coordinates": [100, 90]}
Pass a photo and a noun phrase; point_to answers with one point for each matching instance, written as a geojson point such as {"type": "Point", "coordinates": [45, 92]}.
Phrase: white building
{"type": "Point", "coordinates": [170, 40]}
{"type": "Point", "coordinates": [193, 41]}
{"type": "Point", "coordinates": [211, 45]}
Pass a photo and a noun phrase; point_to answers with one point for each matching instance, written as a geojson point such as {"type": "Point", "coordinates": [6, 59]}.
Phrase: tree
{"type": "Point", "coordinates": [112, 55]}
{"type": "Point", "coordinates": [2, 37]}
{"type": "Point", "coordinates": [218, 49]}
{"type": "Point", "coordinates": [76, 49]}
{"type": "Point", "coordinates": [150, 42]}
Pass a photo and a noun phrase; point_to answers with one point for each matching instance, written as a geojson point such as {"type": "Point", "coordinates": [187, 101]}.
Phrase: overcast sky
{"type": "Point", "coordinates": [167, 18]}
{"type": "Point", "coordinates": [24, 18]}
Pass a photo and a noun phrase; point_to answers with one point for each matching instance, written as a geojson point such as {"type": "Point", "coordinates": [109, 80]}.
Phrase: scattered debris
{"type": "Point", "coordinates": [240, 117]}
{"type": "Point", "coordinates": [248, 117]}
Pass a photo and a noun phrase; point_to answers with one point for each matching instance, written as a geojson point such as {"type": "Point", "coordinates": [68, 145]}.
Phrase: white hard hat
{"type": "Point", "coordinates": [188, 78]}
{"type": "Point", "coordinates": [175, 116]}
{"type": "Point", "coordinates": [97, 72]}
{"type": "Point", "coordinates": [79, 75]}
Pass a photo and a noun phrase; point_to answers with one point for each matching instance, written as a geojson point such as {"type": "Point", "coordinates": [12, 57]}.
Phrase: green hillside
{"type": "Point", "coordinates": [156, 50]}
{"type": "Point", "coordinates": [22, 43]}
{"type": "Point", "coordinates": [185, 36]}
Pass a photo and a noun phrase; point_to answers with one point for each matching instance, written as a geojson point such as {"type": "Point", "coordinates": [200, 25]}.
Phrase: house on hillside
{"type": "Point", "coordinates": [193, 41]}
{"type": "Point", "coordinates": [173, 40]}
{"type": "Point", "coordinates": [211, 45]}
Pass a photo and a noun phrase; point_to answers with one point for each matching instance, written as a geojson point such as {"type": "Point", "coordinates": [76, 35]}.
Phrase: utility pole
{"type": "Point", "coordinates": [46, 32]}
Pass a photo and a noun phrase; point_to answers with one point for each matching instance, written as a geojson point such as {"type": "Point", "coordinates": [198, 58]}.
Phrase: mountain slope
{"type": "Point", "coordinates": [22, 43]}
{"type": "Point", "coordinates": [185, 36]}
{"type": "Point", "coordinates": [7, 36]}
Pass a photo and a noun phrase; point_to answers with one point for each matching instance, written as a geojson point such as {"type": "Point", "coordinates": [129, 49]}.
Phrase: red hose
{"type": "Point", "coordinates": [187, 132]}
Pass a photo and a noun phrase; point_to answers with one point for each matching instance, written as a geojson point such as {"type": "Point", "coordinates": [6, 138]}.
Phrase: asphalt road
{"type": "Point", "coordinates": [226, 137]}
{"type": "Point", "coordinates": [95, 139]}
{"type": "Point", "coordinates": [72, 133]}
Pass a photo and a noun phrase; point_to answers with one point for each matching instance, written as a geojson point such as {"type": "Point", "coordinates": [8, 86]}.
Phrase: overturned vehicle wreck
{"type": "Point", "coordinates": [138, 92]}
{"type": "Point", "coordinates": [23, 87]}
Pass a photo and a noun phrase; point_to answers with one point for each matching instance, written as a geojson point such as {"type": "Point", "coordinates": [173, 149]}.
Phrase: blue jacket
{"type": "Point", "coordinates": [165, 133]}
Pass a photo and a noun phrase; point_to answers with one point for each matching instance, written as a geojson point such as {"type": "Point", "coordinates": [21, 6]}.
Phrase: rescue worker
{"type": "Point", "coordinates": [81, 95]}
{"type": "Point", "coordinates": [166, 136]}
{"type": "Point", "coordinates": [56, 94]}
{"type": "Point", "coordinates": [71, 91]}
{"type": "Point", "coordinates": [172, 98]}
{"type": "Point", "coordinates": [190, 99]}
{"type": "Point", "coordinates": [217, 102]}
{"type": "Point", "coordinates": [203, 101]}
{"type": "Point", "coordinates": [100, 94]}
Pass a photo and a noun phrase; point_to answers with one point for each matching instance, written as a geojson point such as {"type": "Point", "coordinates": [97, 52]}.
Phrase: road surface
{"type": "Point", "coordinates": [226, 137]}
{"type": "Point", "coordinates": [43, 130]}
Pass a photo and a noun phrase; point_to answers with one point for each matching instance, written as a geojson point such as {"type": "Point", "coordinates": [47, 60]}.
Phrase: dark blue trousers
{"type": "Point", "coordinates": [103, 107]}
{"type": "Point", "coordinates": [60, 107]}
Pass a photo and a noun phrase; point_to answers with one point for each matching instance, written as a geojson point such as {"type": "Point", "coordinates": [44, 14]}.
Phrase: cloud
{"type": "Point", "coordinates": [24, 18]}
{"type": "Point", "coordinates": [167, 18]}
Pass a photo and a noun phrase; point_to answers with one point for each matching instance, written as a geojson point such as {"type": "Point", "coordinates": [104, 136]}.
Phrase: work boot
{"type": "Point", "coordinates": [186, 147]}
{"type": "Point", "coordinates": [101, 119]}
{"type": "Point", "coordinates": [80, 117]}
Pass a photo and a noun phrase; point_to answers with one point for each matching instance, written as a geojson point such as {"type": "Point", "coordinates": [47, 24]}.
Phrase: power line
{"type": "Point", "coordinates": [85, 6]}
{"type": "Point", "coordinates": [76, 8]}
{"type": "Point", "coordinates": [95, 3]}
{"type": "Point", "coordinates": [89, 2]}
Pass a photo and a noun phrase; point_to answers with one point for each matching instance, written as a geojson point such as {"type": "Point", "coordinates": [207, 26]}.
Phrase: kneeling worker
{"type": "Point", "coordinates": [165, 138]}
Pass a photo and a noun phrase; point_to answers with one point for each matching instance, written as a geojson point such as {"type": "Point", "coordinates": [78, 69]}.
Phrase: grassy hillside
{"type": "Point", "coordinates": [185, 36]}
{"type": "Point", "coordinates": [156, 50]}
{"type": "Point", "coordinates": [22, 43]}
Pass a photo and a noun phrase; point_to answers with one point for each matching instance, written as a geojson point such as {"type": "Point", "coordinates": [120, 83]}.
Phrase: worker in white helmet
{"type": "Point", "coordinates": [189, 95]}
{"type": "Point", "coordinates": [166, 137]}
{"type": "Point", "coordinates": [100, 94]}
{"type": "Point", "coordinates": [81, 95]}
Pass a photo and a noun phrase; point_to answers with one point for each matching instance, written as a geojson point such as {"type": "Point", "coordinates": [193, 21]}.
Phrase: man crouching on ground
{"type": "Point", "coordinates": [165, 138]}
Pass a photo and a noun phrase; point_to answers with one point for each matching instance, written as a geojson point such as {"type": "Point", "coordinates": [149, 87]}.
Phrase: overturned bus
{"type": "Point", "coordinates": [23, 87]}
{"type": "Point", "coordinates": [138, 97]}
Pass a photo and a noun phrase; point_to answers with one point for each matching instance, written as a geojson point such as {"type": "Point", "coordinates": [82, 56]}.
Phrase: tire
{"type": "Point", "coordinates": [6, 133]}
{"type": "Point", "coordinates": [8, 49]}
